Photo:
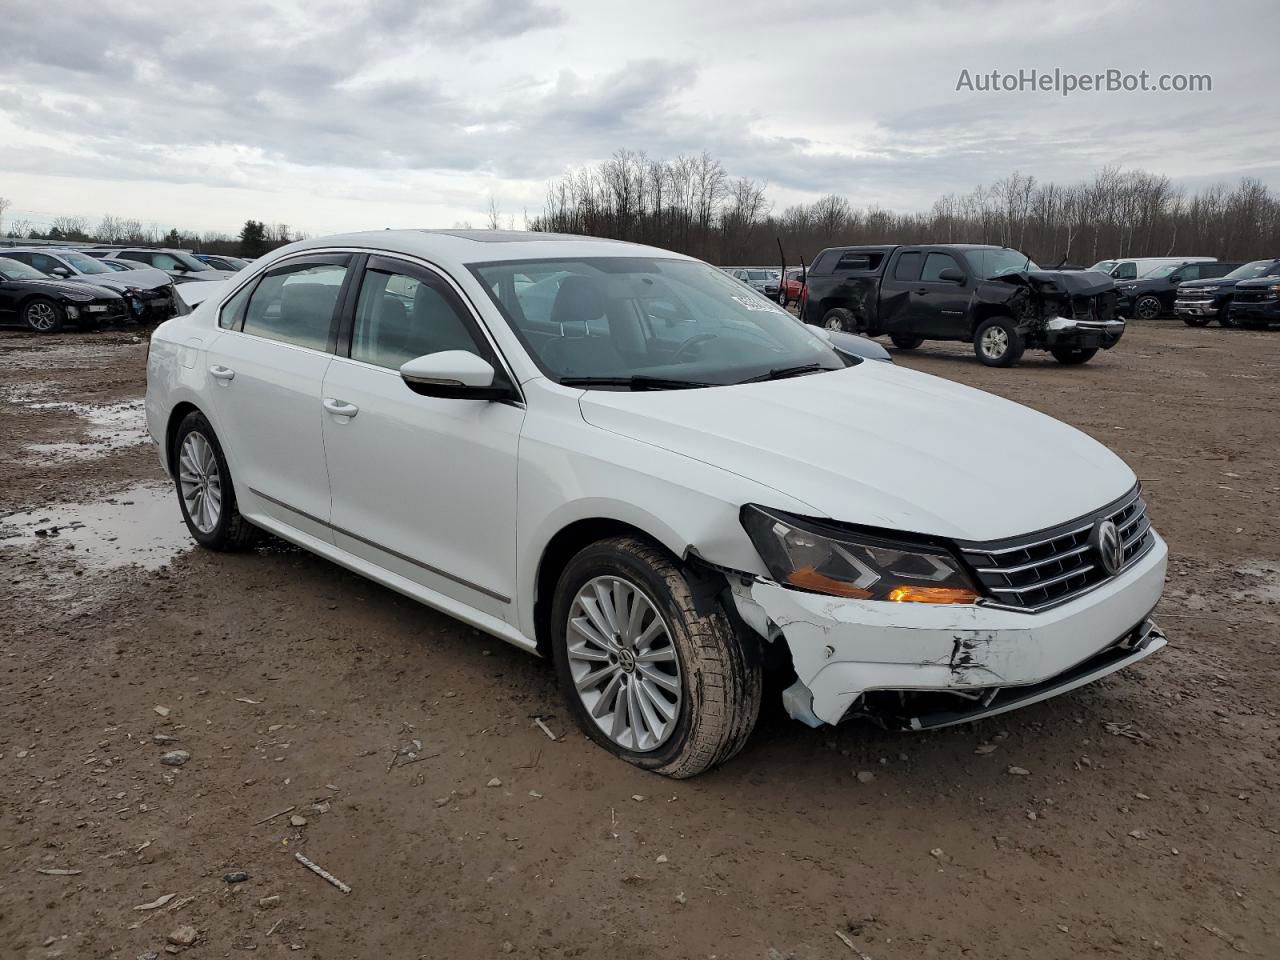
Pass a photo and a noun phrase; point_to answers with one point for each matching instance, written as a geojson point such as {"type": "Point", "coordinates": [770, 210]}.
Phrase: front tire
{"type": "Point", "coordinates": [1148, 308]}
{"type": "Point", "coordinates": [43, 315]}
{"type": "Point", "coordinates": [1073, 356]}
{"type": "Point", "coordinates": [998, 343]}
{"type": "Point", "coordinates": [903, 342]}
{"type": "Point", "coordinates": [1196, 321]}
{"type": "Point", "coordinates": [206, 494]}
{"type": "Point", "coordinates": [1224, 318]}
{"type": "Point", "coordinates": [653, 675]}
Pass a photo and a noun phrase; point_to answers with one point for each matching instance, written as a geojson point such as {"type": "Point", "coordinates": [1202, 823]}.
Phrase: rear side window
{"type": "Point", "coordinates": [858, 262]}
{"type": "Point", "coordinates": [400, 317]}
{"type": "Point", "coordinates": [295, 304]}
{"type": "Point", "coordinates": [907, 267]}
{"type": "Point", "coordinates": [141, 256]}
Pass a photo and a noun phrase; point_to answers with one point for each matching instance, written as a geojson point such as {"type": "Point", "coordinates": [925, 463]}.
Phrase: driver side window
{"type": "Point", "coordinates": [1127, 271]}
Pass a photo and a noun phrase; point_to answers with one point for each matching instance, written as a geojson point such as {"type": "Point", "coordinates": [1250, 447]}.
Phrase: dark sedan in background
{"type": "Point", "coordinates": [148, 293]}
{"type": "Point", "coordinates": [45, 305]}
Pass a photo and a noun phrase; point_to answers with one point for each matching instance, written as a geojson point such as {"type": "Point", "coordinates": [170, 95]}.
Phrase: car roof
{"type": "Point", "coordinates": [463, 247]}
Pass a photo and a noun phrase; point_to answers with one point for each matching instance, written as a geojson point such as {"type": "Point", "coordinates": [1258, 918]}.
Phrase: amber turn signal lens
{"type": "Point", "coordinates": [931, 595]}
{"type": "Point", "coordinates": [807, 578]}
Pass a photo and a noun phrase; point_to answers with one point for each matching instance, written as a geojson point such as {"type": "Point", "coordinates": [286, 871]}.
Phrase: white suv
{"type": "Point", "coordinates": [625, 460]}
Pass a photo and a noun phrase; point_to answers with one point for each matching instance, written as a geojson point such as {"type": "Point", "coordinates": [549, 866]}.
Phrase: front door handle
{"type": "Point", "coordinates": [923, 290]}
{"type": "Point", "coordinates": [340, 408]}
{"type": "Point", "coordinates": [221, 373]}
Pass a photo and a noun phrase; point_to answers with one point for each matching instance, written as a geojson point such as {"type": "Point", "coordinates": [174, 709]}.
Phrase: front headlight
{"type": "Point", "coordinates": [821, 559]}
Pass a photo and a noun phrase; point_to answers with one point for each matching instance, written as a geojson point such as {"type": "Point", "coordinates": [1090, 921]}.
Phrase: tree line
{"type": "Point", "coordinates": [692, 205]}
{"type": "Point", "coordinates": [255, 237]}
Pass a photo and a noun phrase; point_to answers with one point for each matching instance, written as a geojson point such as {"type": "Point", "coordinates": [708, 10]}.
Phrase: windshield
{"type": "Point", "coordinates": [1104, 266]}
{"type": "Point", "coordinates": [85, 264]}
{"type": "Point", "coordinates": [16, 270]}
{"type": "Point", "coordinates": [759, 275]}
{"type": "Point", "coordinates": [1259, 268]}
{"type": "Point", "coordinates": [675, 320]}
{"type": "Point", "coordinates": [998, 262]}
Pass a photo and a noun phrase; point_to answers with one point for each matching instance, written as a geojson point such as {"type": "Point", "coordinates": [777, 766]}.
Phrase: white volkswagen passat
{"type": "Point", "coordinates": [624, 459]}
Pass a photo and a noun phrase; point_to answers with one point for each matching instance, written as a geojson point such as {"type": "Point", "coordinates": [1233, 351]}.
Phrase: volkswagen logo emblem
{"type": "Point", "coordinates": [1106, 541]}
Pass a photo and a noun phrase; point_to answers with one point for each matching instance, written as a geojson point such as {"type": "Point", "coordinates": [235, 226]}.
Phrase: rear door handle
{"type": "Point", "coordinates": [222, 373]}
{"type": "Point", "coordinates": [340, 408]}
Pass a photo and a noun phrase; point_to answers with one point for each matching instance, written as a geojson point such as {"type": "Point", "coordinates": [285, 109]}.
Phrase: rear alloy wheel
{"type": "Point", "coordinates": [998, 343]}
{"type": "Point", "coordinates": [903, 342]}
{"type": "Point", "coordinates": [649, 675]}
{"type": "Point", "coordinates": [1072, 356]}
{"type": "Point", "coordinates": [43, 315]}
{"type": "Point", "coordinates": [205, 493]}
{"type": "Point", "coordinates": [1148, 308]}
{"type": "Point", "coordinates": [840, 319]}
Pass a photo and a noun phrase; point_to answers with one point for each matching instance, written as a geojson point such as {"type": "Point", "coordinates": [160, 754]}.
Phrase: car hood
{"type": "Point", "coordinates": [1259, 282]}
{"type": "Point", "coordinates": [1215, 283]}
{"type": "Point", "coordinates": [1081, 283]}
{"type": "Point", "coordinates": [194, 294]}
{"type": "Point", "coordinates": [149, 279]}
{"type": "Point", "coordinates": [201, 275]}
{"type": "Point", "coordinates": [73, 288]}
{"type": "Point", "coordinates": [883, 446]}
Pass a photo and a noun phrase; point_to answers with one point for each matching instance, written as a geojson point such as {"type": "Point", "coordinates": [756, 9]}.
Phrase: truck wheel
{"type": "Point", "coordinates": [998, 343]}
{"type": "Point", "coordinates": [1148, 308]}
{"type": "Point", "coordinates": [840, 319]}
{"type": "Point", "coordinates": [653, 675]}
{"type": "Point", "coordinates": [903, 342]}
{"type": "Point", "coordinates": [1196, 321]}
{"type": "Point", "coordinates": [1224, 318]}
{"type": "Point", "coordinates": [1072, 356]}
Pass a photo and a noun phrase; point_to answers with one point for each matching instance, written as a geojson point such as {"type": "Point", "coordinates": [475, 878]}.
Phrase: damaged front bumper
{"type": "Point", "coordinates": [1082, 334]}
{"type": "Point", "coordinates": [923, 665]}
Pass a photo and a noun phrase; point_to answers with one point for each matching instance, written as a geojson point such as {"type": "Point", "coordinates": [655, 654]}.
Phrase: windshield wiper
{"type": "Point", "coordinates": [638, 382]}
{"type": "Point", "coordinates": [781, 373]}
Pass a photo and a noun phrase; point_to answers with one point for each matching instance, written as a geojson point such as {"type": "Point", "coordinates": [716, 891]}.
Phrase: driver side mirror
{"type": "Point", "coordinates": [59, 272]}
{"type": "Point", "coordinates": [951, 275]}
{"type": "Point", "coordinates": [454, 375]}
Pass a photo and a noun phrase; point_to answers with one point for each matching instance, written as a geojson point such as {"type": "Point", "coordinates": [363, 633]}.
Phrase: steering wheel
{"type": "Point", "coordinates": [691, 342]}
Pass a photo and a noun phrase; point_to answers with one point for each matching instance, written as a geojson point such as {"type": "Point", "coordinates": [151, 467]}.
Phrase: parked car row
{"type": "Point", "coordinates": [123, 284]}
{"type": "Point", "coordinates": [1248, 296]}
{"type": "Point", "coordinates": [761, 279]}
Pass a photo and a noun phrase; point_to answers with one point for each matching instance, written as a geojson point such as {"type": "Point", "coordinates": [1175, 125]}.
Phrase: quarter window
{"type": "Point", "coordinates": [934, 264]}
{"type": "Point", "coordinates": [295, 304]}
{"type": "Point", "coordinates": [400, 317]}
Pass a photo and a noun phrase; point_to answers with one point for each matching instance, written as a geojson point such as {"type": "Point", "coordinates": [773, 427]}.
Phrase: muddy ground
{"type": "Point", "coordinates": [1147, 823]}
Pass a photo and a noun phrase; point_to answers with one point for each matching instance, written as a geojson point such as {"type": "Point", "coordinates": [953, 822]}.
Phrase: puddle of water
{"type": "Point", "coordinates": [1268, 573]}
{"type": "Point", "coordinates": [141, 526]}
{"type": "Point", "coordinates": [110, 427]}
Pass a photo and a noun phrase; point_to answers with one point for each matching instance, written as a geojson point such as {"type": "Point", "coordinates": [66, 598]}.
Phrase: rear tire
{"type": "Point", "coordinates": [1196, 321]}
{"type": "Point", "coordinates": [206, 494]}
{"type": "Point", "coordinates": [840, 319]}
{"type": "Point", "coordinates": [904, 342]}
{"type": "Point", "coordinates": [998, 343]}
{"type": "Point", "coordinates": [1073, 356]}
{"type": "Point", "coordinates": [43, 315]}
{"type": "Point", "coordinates": [678, 703]}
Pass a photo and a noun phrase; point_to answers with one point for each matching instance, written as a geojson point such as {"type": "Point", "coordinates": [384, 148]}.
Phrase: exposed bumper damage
{"type": "Point", "coordinates": [914, 666]}
{"type": "Point", "coordinates": [1059, 309]}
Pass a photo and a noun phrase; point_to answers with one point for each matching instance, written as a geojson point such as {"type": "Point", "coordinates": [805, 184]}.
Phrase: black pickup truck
{"type": "Point", "coordinates": [1197, 302]}
{"type": "Point", "coordinates": [1152, 295]}
{"type": "Point", "coordinates": [992, 297]}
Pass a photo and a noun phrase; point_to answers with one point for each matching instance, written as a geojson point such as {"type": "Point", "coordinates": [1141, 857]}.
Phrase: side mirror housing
{"type": "Point", "coordinates": [951, 275]}
{"type": "Point", "coordinates": [59, 272]}
{"type": "Point", "coordinates": [454, 375]}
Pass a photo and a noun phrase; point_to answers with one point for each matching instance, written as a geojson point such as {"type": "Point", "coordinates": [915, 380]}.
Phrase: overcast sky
{"type": "Point", "coordinates": [340, 114]}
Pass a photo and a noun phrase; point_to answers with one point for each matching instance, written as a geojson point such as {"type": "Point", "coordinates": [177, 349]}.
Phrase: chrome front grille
{"type": "Point", "coordinates": [1054, 566]}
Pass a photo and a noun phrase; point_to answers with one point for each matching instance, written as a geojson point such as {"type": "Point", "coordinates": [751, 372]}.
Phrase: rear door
{"type": "Point", "coordinates": [266, 369]}
{"type": "Point", "coordinates": [424, 487]}
{"type": "Point", "coordinates": [900, 278]}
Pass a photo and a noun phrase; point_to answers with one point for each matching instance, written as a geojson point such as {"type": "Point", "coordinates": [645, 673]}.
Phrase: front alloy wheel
{"type": "Point", "coordinates": [1148, 308]}
{"type": "Point", "coordinates": [997, 342]}
{"type": "Point", "coordinates": [651, 672]}
{"type": "Point", "coordinates": [624, 665]}
{"type": "Point", "coordinates": [43, 316]}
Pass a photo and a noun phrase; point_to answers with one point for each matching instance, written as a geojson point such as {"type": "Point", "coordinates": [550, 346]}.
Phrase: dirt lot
{"type": "Point", "coordinates": [1146, 824]}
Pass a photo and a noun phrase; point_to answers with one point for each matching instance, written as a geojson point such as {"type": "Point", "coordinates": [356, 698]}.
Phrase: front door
{"type": "Point", "coordinates": [939, 307]}
{"type": "Point", "coordinates": [267, 367]}
{"type": "Point", "coordinates": [422, 486]}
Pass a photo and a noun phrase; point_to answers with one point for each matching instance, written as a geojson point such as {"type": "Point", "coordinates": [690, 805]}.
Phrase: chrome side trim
{"type": "Point", "coordinates": [387, 550]}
